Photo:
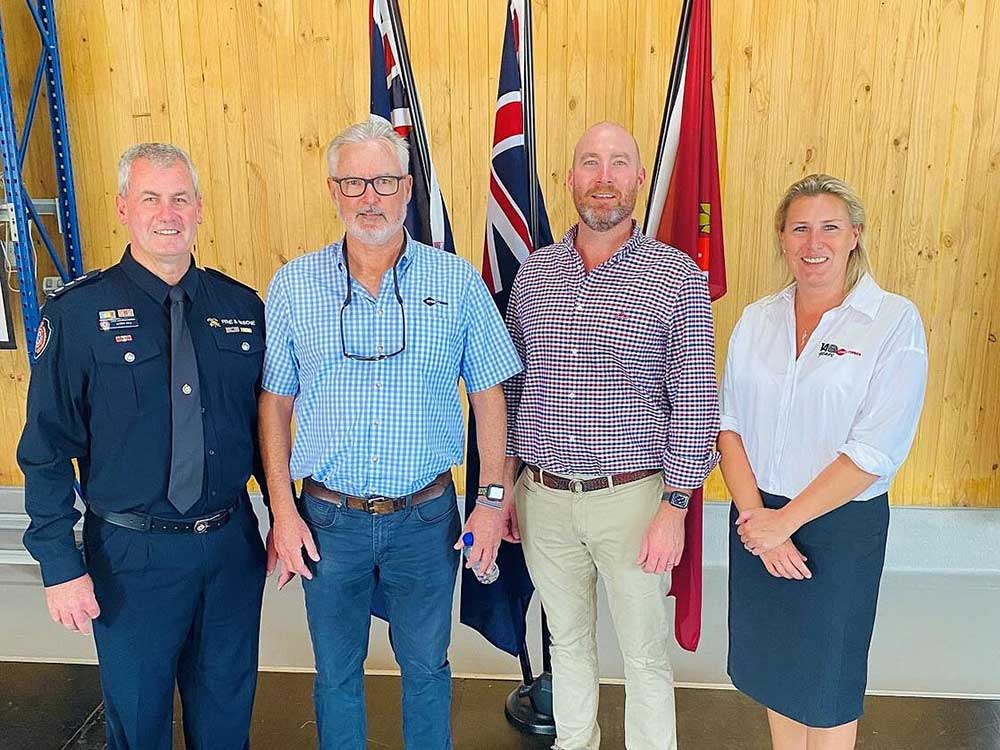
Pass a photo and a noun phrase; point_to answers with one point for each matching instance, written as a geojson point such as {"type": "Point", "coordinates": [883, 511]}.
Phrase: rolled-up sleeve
{"type": "Point", "coordinates": [886, 424]}
{"type": "Point", "coordinates": [691, 388]}
{"type": "Point", "coordinates": [54, 434]}
{"type": "Point", "coordinates": [489, 357]}
{"type": "Point", "coordinates": [281, 367]}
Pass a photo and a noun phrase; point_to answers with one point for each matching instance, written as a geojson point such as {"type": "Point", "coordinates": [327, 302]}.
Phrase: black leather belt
{"type": "Point", "coordinates": [377, 504]}
{"type": "Point", "coordinates": [156, 524]}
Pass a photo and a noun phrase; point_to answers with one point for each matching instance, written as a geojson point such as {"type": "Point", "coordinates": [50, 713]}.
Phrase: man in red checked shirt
{"type": "Point", "coordinates": [614, 417]}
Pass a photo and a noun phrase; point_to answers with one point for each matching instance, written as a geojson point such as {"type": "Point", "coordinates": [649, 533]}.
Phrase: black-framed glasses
{"type": "Point", "coordinates": [354, 187]}
{"type": "Point", "coordinates": [349, 296]}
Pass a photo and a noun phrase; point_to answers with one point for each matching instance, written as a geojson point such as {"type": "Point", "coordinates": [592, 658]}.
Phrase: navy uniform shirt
{"type": "Point", "coordinates": [100, 394]}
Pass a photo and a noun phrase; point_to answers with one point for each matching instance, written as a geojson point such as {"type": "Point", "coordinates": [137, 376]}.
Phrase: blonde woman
{"type": "Point", "coordinates": [823, 386]}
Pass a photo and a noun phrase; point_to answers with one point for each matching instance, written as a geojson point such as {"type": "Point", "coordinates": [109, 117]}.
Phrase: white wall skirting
{"type": "Point", "coordinates": [937, 631]}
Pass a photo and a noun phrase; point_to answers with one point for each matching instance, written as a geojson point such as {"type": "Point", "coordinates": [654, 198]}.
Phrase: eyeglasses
{"type": "Point", "coordinates": [354, 187]}
{"type": "Point", "coordinates": [349, 297]}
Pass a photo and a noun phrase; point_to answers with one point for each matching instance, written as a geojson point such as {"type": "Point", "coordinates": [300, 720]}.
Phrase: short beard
{"type": "Point", "coordinates": [604, 220]}
{"type": "Point", "coordinates": [375, 236]}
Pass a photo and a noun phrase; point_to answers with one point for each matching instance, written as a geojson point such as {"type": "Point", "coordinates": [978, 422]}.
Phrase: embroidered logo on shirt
{"type": "Point", "coordinates": [43, 337]}
{"type": "Point", "coordinates": [832, 350]}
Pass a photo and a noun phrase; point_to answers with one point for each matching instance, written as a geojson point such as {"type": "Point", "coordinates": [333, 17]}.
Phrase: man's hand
{"type": "Point", "coordinates": [511, 527]}
{"type": "Point", "coordinates": [288, 536]}
{"type": "Point", "coordinates": [785, 561]}
{"type": "Point", "coordinates": [73, 603]}
{"type": "Point", "coordinates": [763, 529]}
{"type": "Point", "coordinates": [486, 525]}
{"type": "Point", "coordinates": [663, 542]}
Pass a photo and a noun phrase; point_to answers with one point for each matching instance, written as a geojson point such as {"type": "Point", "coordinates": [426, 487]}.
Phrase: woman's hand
{"type": "Point", "coordinates": [763, 529]}
{"type": "Point", "coordinates": [785, 561]}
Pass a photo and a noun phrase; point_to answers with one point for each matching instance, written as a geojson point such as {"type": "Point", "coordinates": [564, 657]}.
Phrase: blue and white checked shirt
{"type": "Point", "coordinates": [387, 427]}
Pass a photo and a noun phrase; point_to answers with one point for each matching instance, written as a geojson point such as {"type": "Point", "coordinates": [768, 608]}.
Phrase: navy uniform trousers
{"type": "Point", "coordinates": [181, 608]}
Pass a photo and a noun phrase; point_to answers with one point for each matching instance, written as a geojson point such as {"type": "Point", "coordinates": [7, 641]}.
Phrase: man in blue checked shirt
{"type": "Point", "coordinates": [366, 341]}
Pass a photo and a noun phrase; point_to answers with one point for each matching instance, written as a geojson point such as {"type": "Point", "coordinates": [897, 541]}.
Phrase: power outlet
{"type": "Point", "coordinates": [50, 284]}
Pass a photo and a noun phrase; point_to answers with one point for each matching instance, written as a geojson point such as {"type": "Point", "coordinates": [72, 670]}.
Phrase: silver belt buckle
{"type": "Point", "coordinates": [201, 526]}
{"type": "Point", "coordinates": [372, 499]}
{"type": "Point", "coordinates": [576, 486]}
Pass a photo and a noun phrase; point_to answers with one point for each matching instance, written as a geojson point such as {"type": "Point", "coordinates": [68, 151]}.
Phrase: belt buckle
{"type": "Point", "coordinates": [371, 501]}
{"type": "Point", "coordinates": [201, 525]}
{"type": "Point", "coordinates": [576, 486]}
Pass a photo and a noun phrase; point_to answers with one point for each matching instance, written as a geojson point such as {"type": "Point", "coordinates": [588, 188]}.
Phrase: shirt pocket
{"type": "Point", "coordinates": [131, 377]}
{"type": "Point", "coordinates": [241, 358]}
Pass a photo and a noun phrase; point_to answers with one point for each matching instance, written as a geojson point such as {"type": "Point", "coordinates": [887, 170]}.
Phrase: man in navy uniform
{"type": "Point", "coordinates": [147, 374]}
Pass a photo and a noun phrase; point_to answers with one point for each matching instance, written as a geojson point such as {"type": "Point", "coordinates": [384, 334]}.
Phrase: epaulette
{"type": "Point", "coordinates": [75, 283]}
{"type": "Point", "coordinates": [230, 279]}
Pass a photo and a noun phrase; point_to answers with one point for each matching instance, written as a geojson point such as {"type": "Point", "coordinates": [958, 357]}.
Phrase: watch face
{"type": "Point", "coordinates": [494, 492]}
{"type": "Point", "coordinates": [678, 500]}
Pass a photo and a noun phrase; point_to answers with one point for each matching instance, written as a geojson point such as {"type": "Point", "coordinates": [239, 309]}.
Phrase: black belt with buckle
{"type": "Point", "coordinates": [159, 525]}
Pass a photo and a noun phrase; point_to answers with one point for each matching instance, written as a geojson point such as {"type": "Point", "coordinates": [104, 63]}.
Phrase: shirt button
{"type": "Point", "coordinates": [378, 383]}
{"type": "Point", "coordinates": [574, 352]}
{"type": "Point", "coordinates": [245, 346]}
{"type": "Point", "coordinates": [571, 394]}
{"type": "Point", "coordinates": [376, 422]}
{"type": "Point", "coordinates": [374, 459]}
{"type": "Point", "coordinates": [380, 311]}
{"type": "Point", "coordinates": [211, 451]}
{"type": "Point", "coordinates": [214, 493]}
{"type": "Point", "coordinates": [186, 389]}
{"type": "Point", "coordinates": [129, 357]}
{"type": "Point", "coordinates": [579, 308]}
{"type": "Point", "coordinates": [571, 438]}
{"type": "Point", "coordinates": [203, 410]}
{"type": "Point", "coordinates": [379, 349]}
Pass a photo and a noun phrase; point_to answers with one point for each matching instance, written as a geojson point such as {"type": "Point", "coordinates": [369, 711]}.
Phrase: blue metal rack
{"type": "Point", "coordinates": [23, 211]}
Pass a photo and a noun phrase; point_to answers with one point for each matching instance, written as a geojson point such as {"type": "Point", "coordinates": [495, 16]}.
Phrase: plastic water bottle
{"type": "Point", "coordinates": [491, 574]}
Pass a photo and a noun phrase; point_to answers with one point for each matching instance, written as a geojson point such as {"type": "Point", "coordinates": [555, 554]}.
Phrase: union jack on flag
{"type": "Point", "coordinates": [394, 97]}
{"type": "Point", "coordinates": [516, 224]}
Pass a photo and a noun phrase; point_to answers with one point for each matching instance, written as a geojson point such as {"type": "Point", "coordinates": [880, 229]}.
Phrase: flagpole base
{"type": "Point", "coordinates": [529, 708]}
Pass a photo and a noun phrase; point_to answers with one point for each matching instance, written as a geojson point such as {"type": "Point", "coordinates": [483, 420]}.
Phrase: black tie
{"type": "Point", "coordinates": [187, 442]}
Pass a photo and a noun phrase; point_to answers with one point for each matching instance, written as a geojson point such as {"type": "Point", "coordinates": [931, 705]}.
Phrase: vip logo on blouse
{"type": "Point", "coordinates": [832, 350]}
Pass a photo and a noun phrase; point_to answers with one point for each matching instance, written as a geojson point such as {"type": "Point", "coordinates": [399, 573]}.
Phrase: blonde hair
{"type": "Point", "coordinates": [858, 263]}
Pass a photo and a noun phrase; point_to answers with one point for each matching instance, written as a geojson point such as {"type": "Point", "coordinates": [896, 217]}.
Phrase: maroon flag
{"type": "Point", "coordinates": [685, 211]}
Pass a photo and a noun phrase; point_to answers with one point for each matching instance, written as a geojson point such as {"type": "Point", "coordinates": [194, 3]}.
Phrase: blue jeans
{"type": "Point", "coordinates": [406, 557]}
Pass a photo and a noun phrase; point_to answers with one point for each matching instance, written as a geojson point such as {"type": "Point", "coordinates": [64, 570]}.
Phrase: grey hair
{"type": "Point", "coordinates": [160, 154]}
{"type": "Point", "coordinates": [375, 128]}
{"type": "Point", "coordinates": [858, 263]}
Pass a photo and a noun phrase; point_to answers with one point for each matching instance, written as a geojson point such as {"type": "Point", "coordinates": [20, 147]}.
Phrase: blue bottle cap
{"type": "Point", "coordinates": [468, 539]}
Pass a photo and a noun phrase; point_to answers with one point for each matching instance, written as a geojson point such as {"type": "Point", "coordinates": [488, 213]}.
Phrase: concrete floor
{"type": "Point", "coordinates": [58, 707]}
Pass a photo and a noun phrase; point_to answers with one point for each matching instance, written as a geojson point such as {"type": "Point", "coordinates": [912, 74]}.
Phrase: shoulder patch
{"type": "Point", "coordinates": [75, 283]}
{"type": "Point", "coordinates": [43, 337]}
{"type": "Point", "coordinates": [220, 275]}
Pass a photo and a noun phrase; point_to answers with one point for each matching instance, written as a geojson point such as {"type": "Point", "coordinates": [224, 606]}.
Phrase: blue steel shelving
{"type": "Point", "coordinates": [22, 210]}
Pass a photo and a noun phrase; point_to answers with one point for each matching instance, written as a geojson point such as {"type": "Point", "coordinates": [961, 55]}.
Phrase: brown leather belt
{"type": "Point", "coordinates": [378, 504]}
{"type": "Point", "coordinates": [556, 482]}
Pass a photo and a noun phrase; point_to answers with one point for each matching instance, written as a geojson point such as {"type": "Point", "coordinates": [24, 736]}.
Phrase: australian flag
{"type": "Point", "coordinates": [516, 224]}
{"type": "Point", "coordinates": [394, 97]}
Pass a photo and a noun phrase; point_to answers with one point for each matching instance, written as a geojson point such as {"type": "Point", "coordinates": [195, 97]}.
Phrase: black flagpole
{"type": "Point", "coordinates": [529, 706]}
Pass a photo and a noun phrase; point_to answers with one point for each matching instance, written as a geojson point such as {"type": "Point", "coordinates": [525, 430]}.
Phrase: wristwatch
{"type": "Point", "coordinates": [491, 495]}
{"type": "Point", "coordinates": [676, 499]}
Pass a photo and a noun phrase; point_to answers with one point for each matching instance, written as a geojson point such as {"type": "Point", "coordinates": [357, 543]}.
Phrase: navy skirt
{"type": "Point", "coordinates": [801, 647]}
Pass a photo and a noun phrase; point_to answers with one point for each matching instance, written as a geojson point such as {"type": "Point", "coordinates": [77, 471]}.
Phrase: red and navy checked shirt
{"type": "Point", "coordinates": [619, 363]}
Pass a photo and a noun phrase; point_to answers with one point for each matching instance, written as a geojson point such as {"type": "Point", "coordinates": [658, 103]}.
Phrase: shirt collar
{"type": "Point", "coordinates": [865, 297]}
{"type": "Point", "coordinates": [636, 237]}
{"type": "Point", "coordinates": [152, 284]}
{"type": "Point", "coordinates": [335, 253]}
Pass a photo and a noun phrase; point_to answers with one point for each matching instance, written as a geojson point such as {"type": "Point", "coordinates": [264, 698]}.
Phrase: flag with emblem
{"type": "Point", "coordinates": [685, 211]}
{"type": "Point", "coordinates": [394, 97]}
{"type": "Point", "coordinates": [516, 223]}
